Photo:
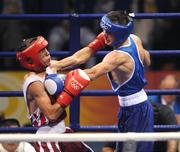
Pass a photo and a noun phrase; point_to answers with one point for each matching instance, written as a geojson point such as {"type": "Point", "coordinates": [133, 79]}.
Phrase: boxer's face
{"type": "Point", "coordinates": [108, 38]}
{"type": "Point", "coordinates": [45, 57]}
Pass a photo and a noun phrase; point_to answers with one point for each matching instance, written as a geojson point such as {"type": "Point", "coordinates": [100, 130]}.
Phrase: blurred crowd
{"type": "Point", "coordinates": [57, 31]}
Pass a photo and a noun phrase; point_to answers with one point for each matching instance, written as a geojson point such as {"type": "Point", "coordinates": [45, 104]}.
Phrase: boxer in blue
{"type": "Point", "coordinates": [124, 66]}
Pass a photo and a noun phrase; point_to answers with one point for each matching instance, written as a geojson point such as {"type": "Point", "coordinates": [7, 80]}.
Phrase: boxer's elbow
{"type": "Point", "coordinates": [50, 116]}
{"type": "Point", "coordinates": [148, 62]}
{"type": "Point", "coordinates": [53, 113]}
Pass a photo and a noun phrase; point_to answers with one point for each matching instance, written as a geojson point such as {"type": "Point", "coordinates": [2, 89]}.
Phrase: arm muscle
{"type": "Point", "coordinates": [37, 91]}
{"type": "Point", "coordinates": [77, 58]}
{"type": "Point", "coordinates": [111, 61]}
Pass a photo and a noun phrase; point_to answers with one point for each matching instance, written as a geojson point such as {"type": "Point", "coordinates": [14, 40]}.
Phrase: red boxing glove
{"type": "Point", "coordinates": [98, 43]}
{"type": "Point", "coordinates": [75, 82]}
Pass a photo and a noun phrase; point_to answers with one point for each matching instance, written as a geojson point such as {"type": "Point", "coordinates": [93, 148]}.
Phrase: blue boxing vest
{"type": "Point", "coordinates": [136, 82]}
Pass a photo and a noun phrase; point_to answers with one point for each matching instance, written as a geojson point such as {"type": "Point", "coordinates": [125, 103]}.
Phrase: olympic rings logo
{"type": "Point", "coordinates": [76, 85]}
{"type": "Point", "coordinates": [104, 26]}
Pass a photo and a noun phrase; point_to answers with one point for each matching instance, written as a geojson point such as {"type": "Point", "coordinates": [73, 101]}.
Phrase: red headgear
{"type": "Point", "coordinates": [32, 52]}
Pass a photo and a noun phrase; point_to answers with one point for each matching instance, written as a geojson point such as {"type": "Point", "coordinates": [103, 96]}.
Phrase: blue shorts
{"type": "Point", "coordinates": [137, 118]}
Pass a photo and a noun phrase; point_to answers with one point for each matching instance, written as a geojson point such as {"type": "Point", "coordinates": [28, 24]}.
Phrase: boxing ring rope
{"type": "Point", "coordinates": [86, 16]}
{"type": "Point", "coordinates": [98, 54]}
{"type": "Point", "coordinates": [99, 92]}
{"type": "Point", "coordinates": [99, 128]}
{"type": "Point", "coordinates": [74, 117]}
{"type": "Point", "coordinates": [89, 137]}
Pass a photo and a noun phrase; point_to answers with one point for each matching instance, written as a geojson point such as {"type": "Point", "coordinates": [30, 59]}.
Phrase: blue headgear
{"type": "Point", "coordinates": [120, 32]}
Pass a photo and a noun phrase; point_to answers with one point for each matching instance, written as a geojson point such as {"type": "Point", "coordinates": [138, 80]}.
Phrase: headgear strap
{"type": "Point", "coordinates": [32, 53]}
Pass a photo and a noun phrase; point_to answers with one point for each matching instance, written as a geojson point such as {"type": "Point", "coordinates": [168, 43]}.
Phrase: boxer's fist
{"type": "Point", "coordinates": [75, 82]}
{"type": "Point", "coordinates": [98, 43]}
{"type": "Point", "coordinates": [54, 84]}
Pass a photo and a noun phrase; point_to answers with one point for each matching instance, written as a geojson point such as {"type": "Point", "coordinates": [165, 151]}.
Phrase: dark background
{"type": "Point", "coordinates": [163, 35]}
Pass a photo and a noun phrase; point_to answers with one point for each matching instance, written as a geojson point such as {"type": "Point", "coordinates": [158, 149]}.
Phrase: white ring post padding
{"type": "Point", "coordinates": [89, 137]}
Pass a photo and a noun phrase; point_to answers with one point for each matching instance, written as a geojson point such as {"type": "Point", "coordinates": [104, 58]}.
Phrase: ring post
{"type": "Point", "coordinates": [74, 45]}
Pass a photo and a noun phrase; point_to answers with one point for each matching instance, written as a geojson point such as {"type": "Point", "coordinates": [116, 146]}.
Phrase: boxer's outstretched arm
{"type": "Point", "coordinates": [83, 55]}
{"type": "Point", "coordinates": [80, 57]}
{"type": "Point", "coordinates": [111, 61]}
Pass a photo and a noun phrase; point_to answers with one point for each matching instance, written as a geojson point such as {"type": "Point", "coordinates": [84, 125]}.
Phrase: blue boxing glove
{"type": "Point", "coordinates": [54, 84]}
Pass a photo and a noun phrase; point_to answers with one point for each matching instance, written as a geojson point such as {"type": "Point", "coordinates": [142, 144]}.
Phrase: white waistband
{"type": "Point", "coordinates": [132, 99]}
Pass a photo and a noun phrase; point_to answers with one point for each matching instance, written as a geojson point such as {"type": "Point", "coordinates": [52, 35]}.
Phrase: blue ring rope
{"type": "Point", "coordinates": [62, 53]}
{"type": "Point", "coordinates": [99, 128]}
{"type": "Point", "coordinates": [85, 16]}
{"type": "Point", "coordinates": [114, 128]}
{"type": "Point", "coordinates": [99, 92]}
